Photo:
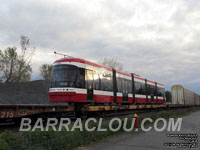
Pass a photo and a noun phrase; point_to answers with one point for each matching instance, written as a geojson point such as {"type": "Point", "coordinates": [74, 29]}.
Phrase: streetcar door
{"type": "Point", "coordinates": [125, 97]}
{"type": "Point", "coordinates": [125, 90]}
{"type": "Point", "coordinates": [89, 85]}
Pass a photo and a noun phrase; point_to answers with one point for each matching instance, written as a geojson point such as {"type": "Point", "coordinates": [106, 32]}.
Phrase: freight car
{"type": "Point", "coordinates": [184, 97]}
{"type": "Point", "coordinates": [78, 81]}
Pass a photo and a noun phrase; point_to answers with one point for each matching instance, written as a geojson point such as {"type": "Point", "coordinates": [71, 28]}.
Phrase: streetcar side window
{"type": "Point", "coordinates": [81, 78]}
{"type": "Point", "coordinates": [123, 86]}
{"type": "Point", "coordinates": [119, 84]}
{"type": "Point", "coordinates": [140, 88]}
{"type": "Point", "coordinates": [89, 78]}
{"type": "Point", "coordinates": [150, 89]}
{"type": "Point", "coordinates": [106, 81]}
{"type": "Point", "coordinates": [129, 86]}
{"type": "Point", "coordinates": [155, 91]}
{"type": "Point", "coordinates": [97, 81]}
{"type": "Point", "coordinates": [161, 91]}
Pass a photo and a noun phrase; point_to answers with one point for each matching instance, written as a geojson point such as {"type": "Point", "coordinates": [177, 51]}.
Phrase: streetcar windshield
{"type": "Point", "coordinates": [66, 76]}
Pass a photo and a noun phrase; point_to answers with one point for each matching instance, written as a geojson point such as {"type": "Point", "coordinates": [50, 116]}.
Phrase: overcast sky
{"type": "Point", "coordinates": [157, 39]}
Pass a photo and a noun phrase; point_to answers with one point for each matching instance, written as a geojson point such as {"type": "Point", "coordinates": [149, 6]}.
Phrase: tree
{"type": "Point", "coordinates": [46, 71]}
{"type": "Point", "coordinates": [113, 63]}
{"type": "Point", "coordinates": [14, 67]}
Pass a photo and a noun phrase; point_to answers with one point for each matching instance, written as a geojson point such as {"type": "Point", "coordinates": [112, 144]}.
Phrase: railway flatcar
{"type": "Point", "coordinates": [183, 96]}
{"type": "Point", "coordinates": [76, 80]}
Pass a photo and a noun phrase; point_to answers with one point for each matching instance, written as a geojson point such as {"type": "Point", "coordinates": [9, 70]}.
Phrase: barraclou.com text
{"type": "Point", "coordinates": [93, 124]}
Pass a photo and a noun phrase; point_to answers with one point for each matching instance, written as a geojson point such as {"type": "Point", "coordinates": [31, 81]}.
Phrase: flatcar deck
{"type": "Point", "coordinates": [22, 110]}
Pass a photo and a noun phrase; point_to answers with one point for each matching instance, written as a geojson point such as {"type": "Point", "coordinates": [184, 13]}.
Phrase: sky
{"type": "Point", "coordinates": [156, 39]}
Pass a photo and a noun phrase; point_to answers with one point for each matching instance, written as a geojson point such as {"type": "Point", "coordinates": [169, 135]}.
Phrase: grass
{"type": "Point", "coordinates": [64, 140]}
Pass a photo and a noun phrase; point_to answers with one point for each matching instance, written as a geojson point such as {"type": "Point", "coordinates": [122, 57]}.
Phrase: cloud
{"type": "Point", "coordinates": [156, 39]}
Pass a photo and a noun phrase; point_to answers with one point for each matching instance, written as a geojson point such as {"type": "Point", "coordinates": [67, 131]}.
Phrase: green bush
{"type": "Point", "coordinates": [10, 141]}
